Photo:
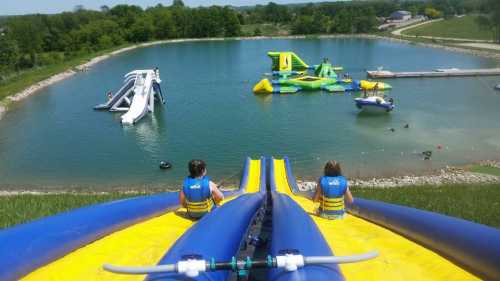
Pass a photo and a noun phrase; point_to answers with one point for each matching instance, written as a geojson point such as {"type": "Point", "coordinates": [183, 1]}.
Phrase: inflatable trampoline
{"type": "Point", "coordinates": [290, 75]}
{"type": "Point", "coordinates": [267, 225]}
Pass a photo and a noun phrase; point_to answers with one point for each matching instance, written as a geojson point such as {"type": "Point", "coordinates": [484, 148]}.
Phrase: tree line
{"type": "Point", "coordinates": [36, 40]}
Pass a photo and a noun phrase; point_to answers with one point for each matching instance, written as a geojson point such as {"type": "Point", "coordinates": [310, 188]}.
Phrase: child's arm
{"type": "Point", "coordinates": [216, 193]}
{"type": "Point", "coordinates": [182, 198]}
{"type": "Point", "coordinates": [317, 193]}
{"type": "Point", "coordinates": [348, 196]}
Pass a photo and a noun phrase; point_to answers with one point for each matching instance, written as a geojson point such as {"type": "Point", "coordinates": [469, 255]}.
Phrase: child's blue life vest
{"type": "Point", "coordinates": [332, 198]}
{"type": "Point", "coordinates": [198, 196]}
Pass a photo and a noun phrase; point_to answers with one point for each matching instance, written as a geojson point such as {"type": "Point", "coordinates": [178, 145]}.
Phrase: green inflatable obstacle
{"type": "Point", "coordinates": [325, 70]}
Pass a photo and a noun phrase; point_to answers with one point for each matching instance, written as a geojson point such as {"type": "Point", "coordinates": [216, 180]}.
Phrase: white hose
{"type": "Point", "coordinates": [192, 268]}
{"type": "Point", "coordinates": [341, 259]}
{"type": "Point", "coordinates": [140, 269]}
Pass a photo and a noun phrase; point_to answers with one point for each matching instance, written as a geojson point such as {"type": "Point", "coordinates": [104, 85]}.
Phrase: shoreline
{"type": "Point", "coordinates": [445, 176]}
{"type": "Point", "coordinates": [34, 88]}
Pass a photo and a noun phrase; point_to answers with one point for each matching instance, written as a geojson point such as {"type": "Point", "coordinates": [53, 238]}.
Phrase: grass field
{"type": "Point", "coordinates": [463, 27]}
{"type": "Point", "coordinates": [267, 29]}
{"type": "Point", "coordinates": [476, 203]}
{"type": "Point", "coordinates": [485, 170]}
{"type": "Point", "coordinates": [22, 208]}
{"type": "Point", "coordinates": [27, 78]}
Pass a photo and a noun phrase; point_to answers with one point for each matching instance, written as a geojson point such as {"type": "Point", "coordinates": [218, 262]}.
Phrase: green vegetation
{"type": "Point", "coordinates": [28, 77]}
{"type": "Point", "coordinates": [485, 170]}
{"type": "Point", "coordinates": [265, 29]}
{"type": "Point", "coordinates": [479, 203]}
{"type": "Point", "coordinates": [18, 209]}
{"type": "Point", "coordinates": [464, 27]}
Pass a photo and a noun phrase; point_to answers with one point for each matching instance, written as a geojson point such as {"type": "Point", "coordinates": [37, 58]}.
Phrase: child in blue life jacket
{"type": "Point", "coordinates": [331, 192]}
{"type": "Point", "coordinates": [198, 193]}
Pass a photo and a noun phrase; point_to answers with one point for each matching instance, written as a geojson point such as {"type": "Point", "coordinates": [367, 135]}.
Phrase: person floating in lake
{"type": "Point", "coordinates": [199, 194]}
{"type": "Point", "coordinates": [332, 191]}
{"type": "Point", "coordinates": [109, 95]}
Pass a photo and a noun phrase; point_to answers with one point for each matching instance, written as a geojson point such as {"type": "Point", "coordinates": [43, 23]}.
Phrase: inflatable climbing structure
{"type": "Point", "coordinates": [290, 75]}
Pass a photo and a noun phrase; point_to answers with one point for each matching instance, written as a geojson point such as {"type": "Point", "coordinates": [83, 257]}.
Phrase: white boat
{"type": "Point", "coordinates": [374, 104]}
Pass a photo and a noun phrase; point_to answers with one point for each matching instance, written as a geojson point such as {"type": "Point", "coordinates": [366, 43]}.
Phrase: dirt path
{"type": "Point", "coordinates": [490, 46]}
{"type": "Point", "coordinates": [398, 31]}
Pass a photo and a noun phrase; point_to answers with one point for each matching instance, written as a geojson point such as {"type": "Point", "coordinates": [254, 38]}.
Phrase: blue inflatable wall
{"type": "Point", "coordinates": [216, 235]}
{"type": "Point", "coordinates": [293, 229]}
{"type": "Point", "coordinates": [473, 246]}
{"type": "Point", "coordinates": [28, 246]}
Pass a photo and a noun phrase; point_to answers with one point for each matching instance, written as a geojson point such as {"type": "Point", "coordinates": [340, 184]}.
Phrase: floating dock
{"type": "Point", "coordinates": [447, 72]}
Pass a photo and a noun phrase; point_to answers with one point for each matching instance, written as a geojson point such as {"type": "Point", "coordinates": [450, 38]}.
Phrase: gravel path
{"type": "Point", "coordinates": [398, 31]}
{"type": "Point", "coordinates": [449, 175]}
{"type": "Point", "coordinates": [490, 46]}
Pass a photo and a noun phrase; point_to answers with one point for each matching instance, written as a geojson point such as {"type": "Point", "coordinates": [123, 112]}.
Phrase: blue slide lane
{"type": "Point", "coordinates": [293, 229]}
{"type": "Point", "coordinates": [290, 177]}
{"type": "Point", "coordinates": [218, 235]}
{"type": "Point", "coordinates": [475, 247]}
{"type": "Point", "coordinates": [28, 246]}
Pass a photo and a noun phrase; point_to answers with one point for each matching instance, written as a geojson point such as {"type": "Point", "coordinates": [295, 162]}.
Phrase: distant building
{"type": "Point", "coordinates": [400, 15]}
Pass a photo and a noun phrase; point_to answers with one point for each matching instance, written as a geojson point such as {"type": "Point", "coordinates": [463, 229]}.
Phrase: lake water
{"type": "Point", "coordinates": [55, 138]}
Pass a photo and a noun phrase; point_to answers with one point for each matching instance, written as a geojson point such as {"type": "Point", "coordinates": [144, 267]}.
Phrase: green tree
{"type": "Point", "coordinates": [178, 3]}
{"type": "Point", "coordinates": [9, 54]}
{"type": "Point", "coordinates": [257, 32]}
{"type": "Point", "coordinates": [142, 30]}
{"type": "Point", "coordinates": [231, 23]}
{"type": "Point", "coordinates": [342, 22]}
{"type": "Point", "coordinates": [432, 13]}
{"type": "Point", "coordinates": [491, 21]}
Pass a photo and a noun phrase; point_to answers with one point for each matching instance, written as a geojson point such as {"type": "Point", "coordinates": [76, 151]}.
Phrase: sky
{"type": "Point", "coordinates": [13, 7]}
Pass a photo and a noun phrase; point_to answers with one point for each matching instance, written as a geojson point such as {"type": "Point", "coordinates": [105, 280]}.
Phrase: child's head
{"type": "Point", "coordinates": [332, 169]}
{"type": "Point", "coordinates": [197, 168]}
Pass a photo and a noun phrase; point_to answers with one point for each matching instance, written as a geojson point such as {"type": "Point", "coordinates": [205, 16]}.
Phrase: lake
{"type": "Point", "coordinates": [55, 139]}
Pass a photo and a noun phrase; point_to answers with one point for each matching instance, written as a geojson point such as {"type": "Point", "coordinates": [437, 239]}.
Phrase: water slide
{"type": "Point", "coordinates": [149, 230]}
{"type": "Point", "coordinates": [140, 101]}
{"type": "Point", "coordinates": [138, 231]}
{"type": "Point", "coordinates": [117, 99]}
{"type": "Point", "coordinates": [413, 244]}
{"type": "Point", "coordinates": [137, 96]}
{"type": "Point", "coordinates": [287, 62]}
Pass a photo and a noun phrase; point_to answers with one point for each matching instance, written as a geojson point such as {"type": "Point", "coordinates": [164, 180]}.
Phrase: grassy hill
{"type": "Point", "coordinates": [463, 27]}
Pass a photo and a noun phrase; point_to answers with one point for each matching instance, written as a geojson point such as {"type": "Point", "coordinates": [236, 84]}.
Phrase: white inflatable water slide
{"type": "Point", "coordinates": [137, 96]}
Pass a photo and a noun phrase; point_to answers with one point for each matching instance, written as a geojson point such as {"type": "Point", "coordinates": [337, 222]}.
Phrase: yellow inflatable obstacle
{"type": "Point", "coordinates": [287, 62]}
{"type": "Point", "coordinates": [264, 86]}
{"type": "Point", "coordinates": [370, 85]}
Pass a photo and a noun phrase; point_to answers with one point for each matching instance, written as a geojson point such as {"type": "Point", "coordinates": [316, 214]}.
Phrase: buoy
{"type": "Point", "coordinates": [427, 154]}
{"type": "Point", "coordinates": [165, 165]}
{"type": "Point", "coordinates": [439, 146]}
{"type": "Point", "coordinates": [392, 129]}
{"type": "Point", "coordinates": [407, 126]}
